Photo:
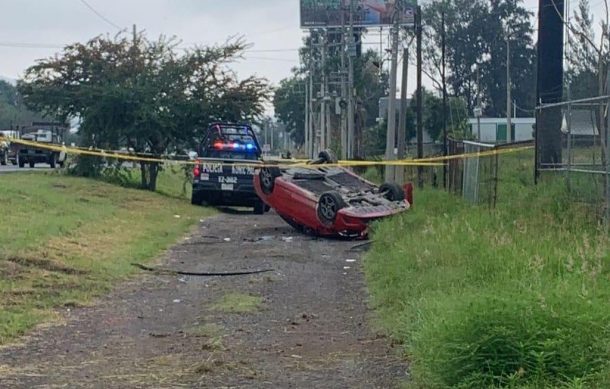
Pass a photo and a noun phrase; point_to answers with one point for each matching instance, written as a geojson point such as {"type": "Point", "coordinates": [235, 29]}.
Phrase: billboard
{"type": "Point", "coordinates": [367, 13]}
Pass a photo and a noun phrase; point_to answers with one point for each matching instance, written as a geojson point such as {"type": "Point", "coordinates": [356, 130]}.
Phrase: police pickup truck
{"type": "Point", "coordinates": [224, 171]}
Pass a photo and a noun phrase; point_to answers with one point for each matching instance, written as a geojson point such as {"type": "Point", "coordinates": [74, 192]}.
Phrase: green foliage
{"type": "Point", "coordinates": [132, 92]}
{"type": "Point", "coordinates": [375, 140]}
{"type": "Point", "coordinates": [12, 110]}
{"type": "Point", "coordinates": [582, 74]}
{"type": "Point", "coordinates": [289, 104]}
{"type": "Point", "coordinates": [476, 37]}
{"type": "Point", "coordinates": [516, 297]}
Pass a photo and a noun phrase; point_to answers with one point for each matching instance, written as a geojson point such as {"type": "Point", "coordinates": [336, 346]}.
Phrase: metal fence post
{"type": "Point", "coordinates": [569, 140]}
{"type": "Point", "coordinates": [607, 175]}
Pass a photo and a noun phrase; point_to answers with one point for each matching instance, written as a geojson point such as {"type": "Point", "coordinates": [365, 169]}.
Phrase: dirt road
{"type": "Point", "coordinates": [304, 325]}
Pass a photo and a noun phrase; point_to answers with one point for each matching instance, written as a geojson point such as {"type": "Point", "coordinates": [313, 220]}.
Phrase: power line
{"type": "Point", "coordinates": [100, 15]}
{"type": "Point", "coordinates": [30, 45]}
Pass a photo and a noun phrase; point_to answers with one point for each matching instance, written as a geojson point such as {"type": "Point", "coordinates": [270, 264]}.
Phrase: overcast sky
{"type": "Point", "coordinates": [272, 26]}
{"type": "Point", "coordinates": [267, 24]}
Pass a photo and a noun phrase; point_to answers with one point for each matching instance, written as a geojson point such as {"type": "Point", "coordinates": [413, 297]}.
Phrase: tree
{"type": "Point", "coordinates": [583, 60]}
{"type": "Point", "coordinates": [475, 35]}
{"type": "Point", "coordinates": [289, 104]}
{"type": "Point", "coordinates": [132, 92]}
{"type": "Point", "coordinates": [13, 112]}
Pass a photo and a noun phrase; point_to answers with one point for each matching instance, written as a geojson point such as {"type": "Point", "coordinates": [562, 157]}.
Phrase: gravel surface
{"type": "Point", "coordinates": [309, 329]}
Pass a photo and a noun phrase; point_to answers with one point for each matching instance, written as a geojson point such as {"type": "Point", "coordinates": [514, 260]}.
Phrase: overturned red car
{"type": "Point", "coordinates": [327, 200]}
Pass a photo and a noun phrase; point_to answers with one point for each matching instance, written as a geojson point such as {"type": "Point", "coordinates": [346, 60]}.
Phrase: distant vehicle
{"type": "Point", "coordinates": [32, 155]}
{"type": "Point", "coordinates": [4, 149]}
{"type": "Point", "coordinates": [328, 200]}
{"type": "Point", "coordinates": [224, 169]}
{"type": "Point", "coordinates": [8, 151]}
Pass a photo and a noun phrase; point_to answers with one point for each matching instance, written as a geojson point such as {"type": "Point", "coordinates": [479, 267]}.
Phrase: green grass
{"type": "Point", "coordinates": [173, 181]}
{"type": "Point", "coordinates": [516, 297]}
{"type": "Point", "coordinates": [238, 303]}
{"type": "Point", "coordinates": [66, 240]}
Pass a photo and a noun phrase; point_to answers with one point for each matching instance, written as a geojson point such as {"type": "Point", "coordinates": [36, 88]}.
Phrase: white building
{"type": "Point", "coordinates": [493, 130]}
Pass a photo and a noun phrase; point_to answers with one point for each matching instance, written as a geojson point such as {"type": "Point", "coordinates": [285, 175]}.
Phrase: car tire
{"type": "Point", "coordinates": [329, 205]}
{"type": "Point", "coordinates": [53, 161]}
{"type": "Point", "coordinates": [259, 207]}
{"type": "Point", "coordinates": [32, 165]}
{"type": "Point", "coordinates": [196, 198]}
{"type": "Point", "coordinates": [327, 156]}
{"type": "Point", "coordinates": [4, 160]}
{"type": "Point", "coordinates": [392, 192]}
{"type": "Point", "coordinates": [267, 176]}
{"type": "Point", "coordinates": [20, 162]}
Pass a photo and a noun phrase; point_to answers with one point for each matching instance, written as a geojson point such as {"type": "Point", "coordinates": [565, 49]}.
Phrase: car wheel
{"type": "Point", "coordinates": [327, 156]}
{"type": "Point", "coordinates": [32, 165]}
{"type": "Point", "coordinates": [20, 162]}
{"type": "Point", "coordinates": [267, 178]}
{"type": "Point", "coordinates": [329, 205]}
{"type": "Point", "coordinates": [392, 192]}
{"type": "Point", "coordinates": [196, 198]}
{"type": "Point", "coordinates": [259, 207]}
{"type": "Point", "coordinates": [4, 160]}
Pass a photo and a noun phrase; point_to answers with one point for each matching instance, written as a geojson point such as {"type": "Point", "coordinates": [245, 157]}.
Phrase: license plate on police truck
{"type": "Point", "coordinates": [226, 187]}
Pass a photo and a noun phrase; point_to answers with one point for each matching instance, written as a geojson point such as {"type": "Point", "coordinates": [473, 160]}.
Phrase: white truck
{"type": "Point", "coordinates": [32, 155]}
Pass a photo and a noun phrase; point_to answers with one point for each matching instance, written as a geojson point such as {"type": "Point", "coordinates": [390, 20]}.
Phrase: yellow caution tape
{"type": "Point", "coordinates": [425, 162]}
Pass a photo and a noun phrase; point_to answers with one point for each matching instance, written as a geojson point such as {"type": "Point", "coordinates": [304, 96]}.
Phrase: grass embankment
{"type": "Point", "coordinates": [516, 297]}
{"type": "Point", "coordinates": [66, 240]}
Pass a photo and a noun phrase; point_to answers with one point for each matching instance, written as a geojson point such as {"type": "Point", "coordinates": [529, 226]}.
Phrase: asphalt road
{"type": "Point", "coordinates": [12, 169]}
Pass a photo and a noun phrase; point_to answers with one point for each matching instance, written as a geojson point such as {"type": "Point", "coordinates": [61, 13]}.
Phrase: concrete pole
{"type": "Point", "coordinates": [420, 97]}
{"type": "Point", "coordinates": [350, 89]}
{"type": "Point", "coordinates": [306, 129]}
{"type": "Point", "coordinates": [402, 121]}
{"type": "Point", "coordinates": [478, 109]}
{"type": "Point", "coordinates": [443, 47]}
{"type": "Point", "coordinates": [343, 87]}
{"type": "Point", "coordinates": [322, 140]}
{"type": "Point", "coordinates": [509, 110]}
{"type": "Point", "coordinates": [391, 130]}
{"type": "Point", "coordinates": [312, 121]}
{"type": "Point", "coordinates": [329, 129]}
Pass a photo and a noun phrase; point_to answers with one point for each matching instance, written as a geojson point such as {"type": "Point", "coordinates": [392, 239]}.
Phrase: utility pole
{"type": "Point", "coordinates": [350, 74]}
{"type": "Point", "coordinates": [478, 112]}
{"type": "Point", "coordinates": [391, 130]}
{"type": "Point", "coordinates": [443, 49]}
{"type": "Point", "coordinates": [343, 87]}
{"type": "Point", "coordinates": [307, 117]}
{"type": "Point", "coordinates": [312, 126]}
{"type": "Point", "coordinates": [323, 96]}
{"type": "Point", "coordinates": [272, 133]}
{"type": "Point", "coordinates": [509, 110]}
{"type": "Point", "coordinates": [402, 119]}
{"type": "Point", "coordinates": [420, 122]}
{"type": "Point", "coordinates": [329, 130]}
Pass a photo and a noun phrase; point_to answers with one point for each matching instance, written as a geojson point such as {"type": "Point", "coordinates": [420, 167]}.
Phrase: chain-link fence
{"type": "Point", "coordinates": [477, 178]}
{"type": "Point", "coordinates": [584, 151]}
